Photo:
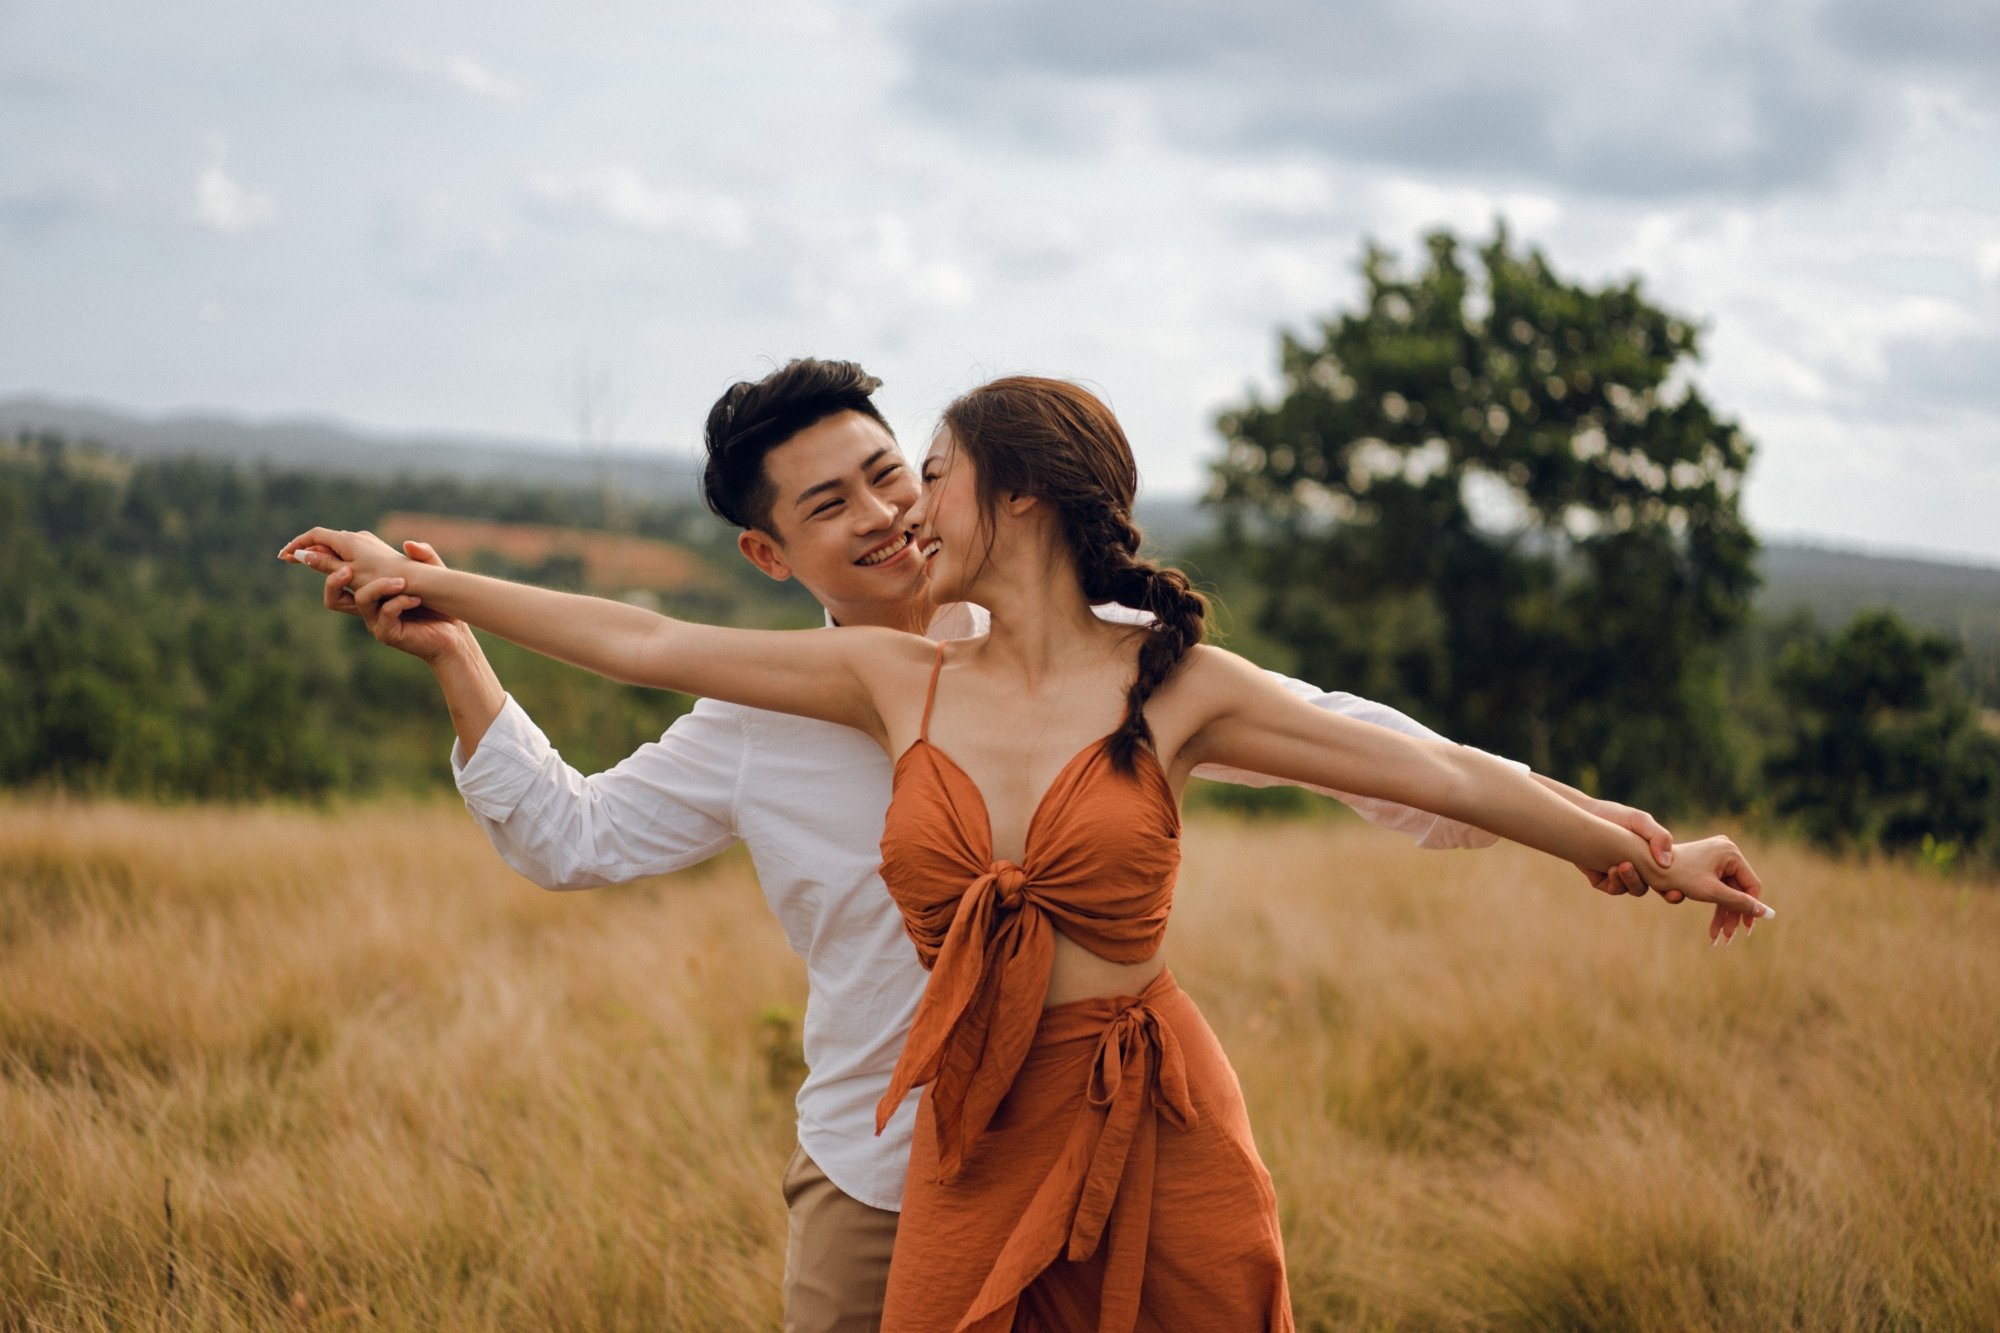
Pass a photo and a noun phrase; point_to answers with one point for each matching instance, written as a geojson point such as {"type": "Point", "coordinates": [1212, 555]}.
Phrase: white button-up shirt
{"type": "Point", "coordinates": [808, 799]}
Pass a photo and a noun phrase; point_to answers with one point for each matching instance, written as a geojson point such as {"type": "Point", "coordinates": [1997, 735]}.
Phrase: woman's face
{"type": "Point", "coordinates": [951, 530]}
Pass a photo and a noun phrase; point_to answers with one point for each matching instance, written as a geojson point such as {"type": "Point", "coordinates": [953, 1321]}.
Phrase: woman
{"type": "Point", "coordinates": [1082, 1156]}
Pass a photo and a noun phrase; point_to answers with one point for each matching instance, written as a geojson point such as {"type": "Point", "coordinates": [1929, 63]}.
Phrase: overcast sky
{"type": "Point", "coordinates": [478, 218]}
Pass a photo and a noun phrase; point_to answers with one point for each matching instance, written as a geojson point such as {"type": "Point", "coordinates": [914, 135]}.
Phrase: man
{"type": "Point", "coordinates": [803, 462]}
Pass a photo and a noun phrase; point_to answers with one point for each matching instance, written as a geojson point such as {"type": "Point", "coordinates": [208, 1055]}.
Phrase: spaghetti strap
{"type": "Point", "coordinates": [930, 695]}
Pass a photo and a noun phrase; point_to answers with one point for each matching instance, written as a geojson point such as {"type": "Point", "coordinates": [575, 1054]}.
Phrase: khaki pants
{"type": "Point", "coordinates": [836, 1254]}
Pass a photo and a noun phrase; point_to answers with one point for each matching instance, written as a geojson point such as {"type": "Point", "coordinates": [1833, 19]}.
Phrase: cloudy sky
{"type": "Point", "coordinates": [491, 218]}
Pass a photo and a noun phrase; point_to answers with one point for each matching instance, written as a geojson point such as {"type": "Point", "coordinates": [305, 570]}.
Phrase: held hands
{"type": "Point", "coordinates": [396, 618]}
{"type": "Point", "coordinates": [1732, 872]}
{"type": "Point", "coordinates": [1624, 877]}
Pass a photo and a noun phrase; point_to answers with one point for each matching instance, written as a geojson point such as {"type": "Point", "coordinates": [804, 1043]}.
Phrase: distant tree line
{"type": "Point", "coordinates": [151, 644]}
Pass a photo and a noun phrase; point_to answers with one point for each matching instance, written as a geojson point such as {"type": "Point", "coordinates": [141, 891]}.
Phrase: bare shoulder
{"type": "Point", "coordinates": [1208, 682]}
{"type": "Point", "coordinates": [1209, 686]}
{"type": "Point", "coordinates": [1208, 667]}
{"type": "Point", "coordinates": [876, 648]}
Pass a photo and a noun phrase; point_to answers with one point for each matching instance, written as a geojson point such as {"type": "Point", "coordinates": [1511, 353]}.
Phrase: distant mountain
{"type": "Point", "coordinates": [1831, 585]}
{"type": "Point", "coordinates": [327, 446]}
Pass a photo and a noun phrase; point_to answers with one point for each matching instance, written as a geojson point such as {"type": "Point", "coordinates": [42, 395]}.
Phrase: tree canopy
{"type": "Point", "coordinates": [1497, 500]}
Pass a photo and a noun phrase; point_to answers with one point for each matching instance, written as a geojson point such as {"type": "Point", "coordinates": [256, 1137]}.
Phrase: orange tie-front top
{"type": "Point", "coordinates": [1099, 861]}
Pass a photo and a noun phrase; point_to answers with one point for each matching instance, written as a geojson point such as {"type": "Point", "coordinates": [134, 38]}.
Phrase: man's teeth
{"type": "Point", "coordinates": [892, 549]}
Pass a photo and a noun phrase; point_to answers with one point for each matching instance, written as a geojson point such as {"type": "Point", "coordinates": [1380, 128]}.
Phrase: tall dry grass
{"type": "Point", "coordinates": [386, 1084]}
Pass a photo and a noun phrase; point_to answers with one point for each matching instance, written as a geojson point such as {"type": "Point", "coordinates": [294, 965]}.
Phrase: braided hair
{"type": "Point", "coordinates": [1058, 442]}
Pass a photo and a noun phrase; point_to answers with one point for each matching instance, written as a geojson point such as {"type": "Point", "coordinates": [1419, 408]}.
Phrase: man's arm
{"type": "Point", "coordinates": [668, 805]}
{"type": "Point", "coordinates": [671, 804]}
{"type": "Point", "coordinates": [472, 691]}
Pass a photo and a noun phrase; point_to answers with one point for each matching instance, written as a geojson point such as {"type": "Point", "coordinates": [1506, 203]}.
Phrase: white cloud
{"type": "Point", "coordinates": [468, 75]}
{"type": "Point", "coordinates": [1986, 260]}
{"type": "Point", "coordinates": [1405, 205]}
{"type": "Point", "coordinates": [617, 195]}
{"type": "Point", "coordinates": [1289, 190]}
{"type": "Point", "coordinates": [881, 269]}
{"type": "Point", "coordinates": [1856, 337]}
{"type": "Point", "coordinates": [427, 70]}
{"type": "Point", "coordinates": [224, 204]}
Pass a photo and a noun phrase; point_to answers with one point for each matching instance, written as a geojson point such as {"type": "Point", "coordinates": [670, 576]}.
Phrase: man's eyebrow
{"type": "Point", "coordinates": [836, 483]}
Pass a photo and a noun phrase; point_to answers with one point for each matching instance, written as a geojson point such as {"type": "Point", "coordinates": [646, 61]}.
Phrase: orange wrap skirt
{"type": "Point", "coordinates": [1116, 1188]}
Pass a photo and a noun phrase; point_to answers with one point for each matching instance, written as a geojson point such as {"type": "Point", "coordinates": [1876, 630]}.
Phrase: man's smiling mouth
{"type": "Point", "coordinates": [886, 552]}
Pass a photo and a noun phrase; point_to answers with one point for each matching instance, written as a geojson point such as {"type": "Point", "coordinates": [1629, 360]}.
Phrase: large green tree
{"type": "Point", "coordinates": [1498, 501]}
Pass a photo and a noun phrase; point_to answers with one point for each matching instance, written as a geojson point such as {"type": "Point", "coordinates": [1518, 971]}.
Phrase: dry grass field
{"type": "Point", "coordinates": [274, 1069]}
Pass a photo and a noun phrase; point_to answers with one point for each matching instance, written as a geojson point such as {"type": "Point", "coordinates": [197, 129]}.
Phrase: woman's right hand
{"type": "Point", "coordinates": [371, 557]}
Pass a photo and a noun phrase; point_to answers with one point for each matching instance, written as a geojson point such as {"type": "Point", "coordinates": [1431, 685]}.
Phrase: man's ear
{"type": "Point", "coordinates": [763, 550]}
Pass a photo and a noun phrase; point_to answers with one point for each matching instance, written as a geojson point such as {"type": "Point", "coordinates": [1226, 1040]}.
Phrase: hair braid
{"type": "Point", "coordinates": [1106, 544]}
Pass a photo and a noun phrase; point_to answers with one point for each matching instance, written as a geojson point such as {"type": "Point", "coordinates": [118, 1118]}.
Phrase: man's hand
{"type": "Point", "coordinates": [1625, 877]}
{"type": "Point", "coordinates": [394, 617]}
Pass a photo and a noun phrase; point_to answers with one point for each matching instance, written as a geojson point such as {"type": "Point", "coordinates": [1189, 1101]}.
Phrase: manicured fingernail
{"type": "Point", "coordinates": [1714, 940]}
{"type": "Point", "coordinates": [1766, 911]}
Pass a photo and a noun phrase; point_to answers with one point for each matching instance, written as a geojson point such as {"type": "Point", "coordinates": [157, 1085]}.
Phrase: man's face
{"type": "Point", "coordinates": [839, 516]}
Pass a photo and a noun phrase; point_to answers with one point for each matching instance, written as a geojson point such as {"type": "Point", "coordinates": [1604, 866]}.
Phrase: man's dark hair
{"type": "Point", "coordinates": [756, 416]}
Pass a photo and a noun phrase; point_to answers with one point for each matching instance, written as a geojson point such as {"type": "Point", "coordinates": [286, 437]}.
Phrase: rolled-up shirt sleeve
{"type": "Point", "coordinates": [670, 804]}
{"type": "Point", "coordinates": [1429, 830]}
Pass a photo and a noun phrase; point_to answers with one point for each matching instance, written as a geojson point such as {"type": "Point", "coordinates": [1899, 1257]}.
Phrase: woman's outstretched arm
{"type": "Point", "coordinates": [1244, 720]}
{"type": "Point", "coordinates": [822, 674]}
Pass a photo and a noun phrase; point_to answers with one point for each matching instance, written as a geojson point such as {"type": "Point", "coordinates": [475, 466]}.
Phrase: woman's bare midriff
{"type": "Point", "coordinates": [1079, 974]}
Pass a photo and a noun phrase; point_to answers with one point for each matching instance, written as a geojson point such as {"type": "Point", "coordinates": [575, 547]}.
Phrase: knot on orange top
{"type": "Point", "coordinates": [1098, 860]}
{"type": "Point", "coordinates": [1008, 880]}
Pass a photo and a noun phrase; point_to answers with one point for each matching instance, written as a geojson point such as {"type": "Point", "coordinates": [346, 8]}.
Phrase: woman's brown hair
{"type": "Point", "coordinates": [1059, 443]}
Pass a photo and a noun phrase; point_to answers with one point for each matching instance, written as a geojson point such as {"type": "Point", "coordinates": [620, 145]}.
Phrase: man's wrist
{"type": "Point", "coordinates": [462, 651]}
